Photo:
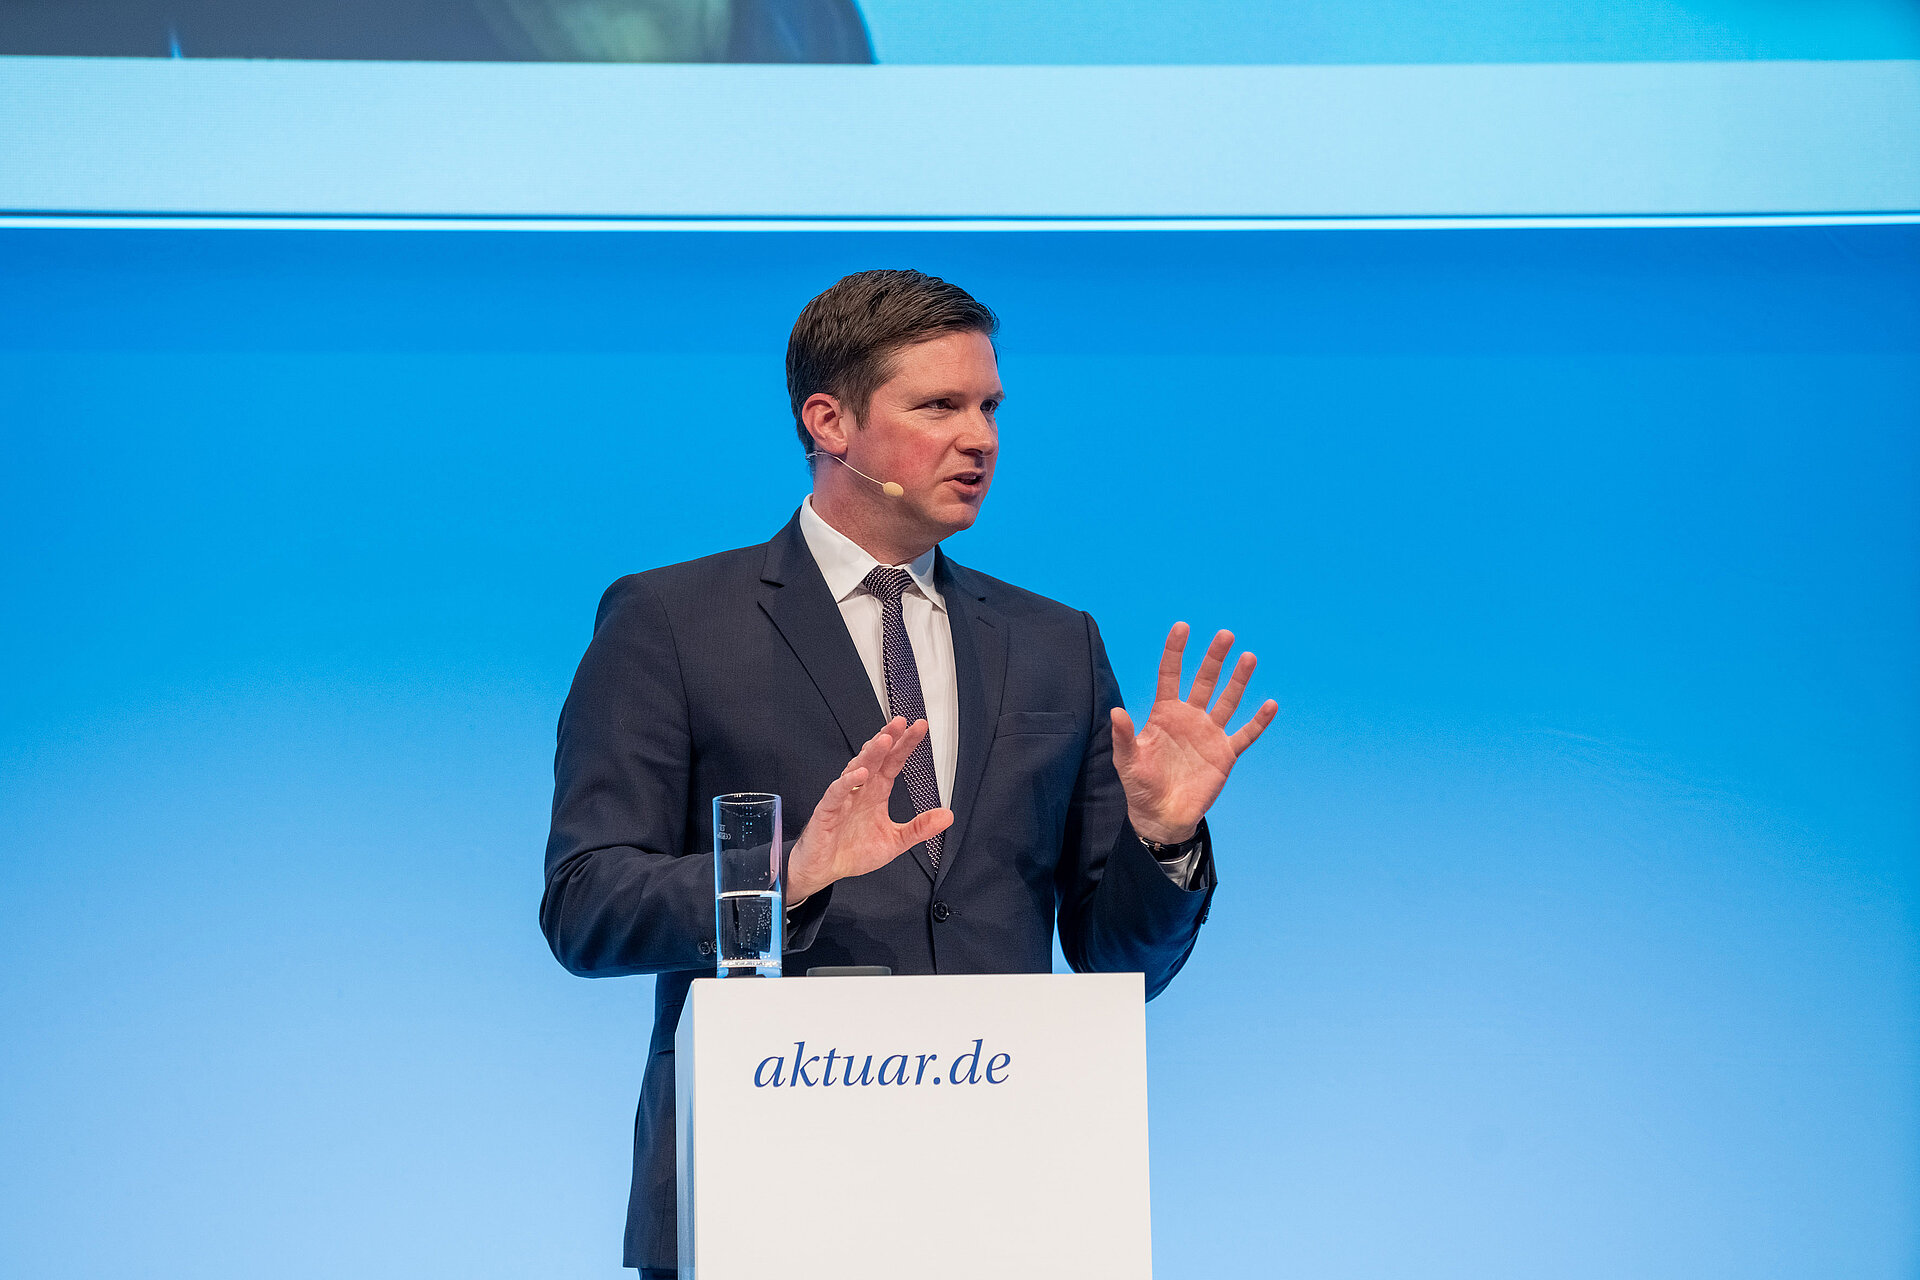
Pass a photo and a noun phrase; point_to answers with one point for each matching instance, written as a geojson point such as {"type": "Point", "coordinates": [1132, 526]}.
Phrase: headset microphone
{"type": "Point", "coordinates": [888, 487]}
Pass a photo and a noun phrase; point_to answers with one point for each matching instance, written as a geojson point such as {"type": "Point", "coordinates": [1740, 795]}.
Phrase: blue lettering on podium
{"type": "Point", "coordinates": [772, 1071]}
{"type": "Point", "coordinates": [800, 1066]}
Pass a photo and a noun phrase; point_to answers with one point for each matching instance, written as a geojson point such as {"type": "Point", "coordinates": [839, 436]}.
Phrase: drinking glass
{"type": "Point", "coordinates": [747, 884]}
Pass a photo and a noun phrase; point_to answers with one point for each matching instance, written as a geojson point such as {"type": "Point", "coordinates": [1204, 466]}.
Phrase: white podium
{"type": "Point", "coordinates": [873, 1128]}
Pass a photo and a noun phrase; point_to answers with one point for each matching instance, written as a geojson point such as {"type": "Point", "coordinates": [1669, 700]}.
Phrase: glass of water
{"type": "Point", "coordinates": [747, 884]}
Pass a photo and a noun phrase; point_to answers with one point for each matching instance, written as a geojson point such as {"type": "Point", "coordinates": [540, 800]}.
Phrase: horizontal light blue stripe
{"type": "Point", "coordinates": [324, 222]}
{"type": "Point", "coordinates": [501, 140]}
{"type": "Point", "coordinates": [1243, 32]}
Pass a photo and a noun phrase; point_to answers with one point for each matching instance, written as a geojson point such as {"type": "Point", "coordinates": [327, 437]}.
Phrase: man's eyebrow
{"type": "Point", "coordinates": [937, 393]}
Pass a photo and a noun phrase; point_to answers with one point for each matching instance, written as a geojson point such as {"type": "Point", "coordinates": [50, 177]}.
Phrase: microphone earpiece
{"type": "Point", "coordinates": [891, 488]}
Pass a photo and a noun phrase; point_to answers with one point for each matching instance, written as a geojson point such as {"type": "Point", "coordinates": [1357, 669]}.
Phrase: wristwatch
{"type": "Point", "coordinates": [1165, 851]}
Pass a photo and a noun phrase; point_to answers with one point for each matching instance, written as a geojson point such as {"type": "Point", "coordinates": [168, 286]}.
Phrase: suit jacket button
{"type": "Point", "coordinates": [941, 911]}
{"type": "Point", "coordinates": [706, 948]}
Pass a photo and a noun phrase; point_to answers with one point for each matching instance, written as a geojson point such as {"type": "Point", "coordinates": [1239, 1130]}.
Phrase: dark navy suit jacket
{"type": "Point", "coordinates": [736, 673]}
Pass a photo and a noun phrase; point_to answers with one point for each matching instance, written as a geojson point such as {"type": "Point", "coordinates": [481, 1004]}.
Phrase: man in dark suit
{"type": "Point", "coordinates": [952, 749]}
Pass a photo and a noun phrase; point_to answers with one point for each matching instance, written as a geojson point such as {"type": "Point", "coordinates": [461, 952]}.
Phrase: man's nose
{"type": "Point", "coordinates": [981, 439]}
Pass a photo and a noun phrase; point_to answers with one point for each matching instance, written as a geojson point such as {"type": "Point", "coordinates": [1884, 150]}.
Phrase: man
{"type": "Point", "coordinates": [951, 749]}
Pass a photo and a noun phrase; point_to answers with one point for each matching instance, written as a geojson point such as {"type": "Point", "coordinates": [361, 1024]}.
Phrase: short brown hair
{"type": "Point", "coordinates": [844, 342]}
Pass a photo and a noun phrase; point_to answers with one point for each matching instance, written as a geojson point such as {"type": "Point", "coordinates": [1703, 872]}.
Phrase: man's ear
{"type": "Point", "coordinates": [824, 420]}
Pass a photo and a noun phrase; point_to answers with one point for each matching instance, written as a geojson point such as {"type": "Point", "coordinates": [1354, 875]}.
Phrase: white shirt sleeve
{"type": "Point", "coordinates": [1181, 868]}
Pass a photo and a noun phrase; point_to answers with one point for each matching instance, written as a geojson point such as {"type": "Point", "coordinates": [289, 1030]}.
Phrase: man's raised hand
{"type": "Point", "coordinates": [851, 832]}
{"type": "Point", "coordinates": [1174, 767]}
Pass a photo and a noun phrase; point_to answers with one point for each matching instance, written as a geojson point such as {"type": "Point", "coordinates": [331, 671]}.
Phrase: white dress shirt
{"type": "Point", "coordinates": [845, 566]}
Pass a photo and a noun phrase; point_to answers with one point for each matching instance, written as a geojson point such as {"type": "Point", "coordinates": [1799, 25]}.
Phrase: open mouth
{"type": "Point", "coordinates": [969, 479]}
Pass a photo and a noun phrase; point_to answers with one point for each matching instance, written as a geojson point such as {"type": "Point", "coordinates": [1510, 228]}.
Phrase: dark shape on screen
{"type": "Point", "coordinates": [819, 31]}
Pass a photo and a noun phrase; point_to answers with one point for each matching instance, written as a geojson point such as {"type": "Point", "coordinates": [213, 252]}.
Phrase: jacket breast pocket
{"type": "Point", "coordinates": [1017, 722]}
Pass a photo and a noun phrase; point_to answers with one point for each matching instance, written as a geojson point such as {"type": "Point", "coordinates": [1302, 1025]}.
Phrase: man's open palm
{"type": "Point", "coordinates": [1174, 767]}
{"type": "Point", "coordinates": [851, 832]}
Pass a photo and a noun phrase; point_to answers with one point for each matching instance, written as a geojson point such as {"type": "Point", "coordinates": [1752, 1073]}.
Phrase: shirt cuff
{"type": "Point", "coordinates": [1182, 862]}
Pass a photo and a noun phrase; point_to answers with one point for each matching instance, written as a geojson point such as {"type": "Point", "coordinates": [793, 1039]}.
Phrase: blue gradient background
{"type": "Point", "coordinates": [1570, 917]}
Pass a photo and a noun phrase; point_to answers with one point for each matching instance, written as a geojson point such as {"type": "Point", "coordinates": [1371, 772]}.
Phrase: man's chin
{"type": "Point", "coordinates": [955, 517]}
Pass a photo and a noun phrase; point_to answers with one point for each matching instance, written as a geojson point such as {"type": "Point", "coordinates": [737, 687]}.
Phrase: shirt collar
{"type": "Point", "coordinates": [845, 565]}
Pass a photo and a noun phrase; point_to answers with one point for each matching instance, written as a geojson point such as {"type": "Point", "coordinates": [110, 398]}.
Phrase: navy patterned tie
{"type": "Point", "coordinates": [903, 690]}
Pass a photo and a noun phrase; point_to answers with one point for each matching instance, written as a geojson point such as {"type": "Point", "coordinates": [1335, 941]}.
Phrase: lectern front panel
{"type": "Point", "coordinates": [934, 1127]}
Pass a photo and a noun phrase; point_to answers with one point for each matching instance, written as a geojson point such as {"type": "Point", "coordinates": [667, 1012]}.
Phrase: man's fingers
{"type": "Point", "coordinates": [1122, 738]}
{"type": "Point", "coordinates": [888, 735]}
{"type": "Point", "coordinates": [840, 792]}
{"type": "Point", "coordinates": [898, 754]}
{"type": "Point", "coordinates": [1236, 686]}
{"type": "Point", "coordinates": [875, 749]}
{"type": "Point", "coordinates": [1209, 673]}
{"type": "Point", "coordinates": [906, 744]}
{"type": "Point", "coordinates": [1250, 731]}
{"type": "Point", "coordinates": [873, 753]}
{"type": "Point", "coordinates": [1170, 657]}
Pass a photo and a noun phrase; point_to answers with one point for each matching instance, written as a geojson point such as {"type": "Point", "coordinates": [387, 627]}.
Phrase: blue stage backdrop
{"type": "Point", "coordinates": [1569, 921]}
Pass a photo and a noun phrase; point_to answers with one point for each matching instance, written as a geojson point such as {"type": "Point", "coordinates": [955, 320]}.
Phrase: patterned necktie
{"type": "Point", "coordinates": [903, 690]}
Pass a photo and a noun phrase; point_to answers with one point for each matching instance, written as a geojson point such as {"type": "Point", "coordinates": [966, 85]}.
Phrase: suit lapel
{"type": "Point", "coordinates": [797, 599]}
{"type": "Point", "coordinates": [980, 669]}
{"type": "Point", "coordinates": [808, 617]}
